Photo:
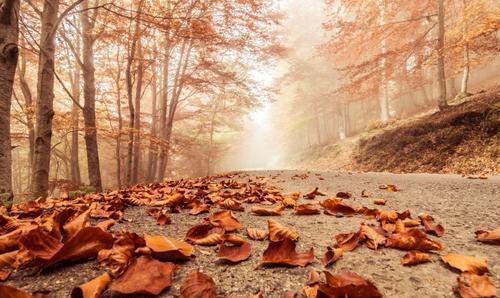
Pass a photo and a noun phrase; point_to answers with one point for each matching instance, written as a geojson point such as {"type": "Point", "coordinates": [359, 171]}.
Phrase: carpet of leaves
{"type": "Point", "coordinates": [58, 232]}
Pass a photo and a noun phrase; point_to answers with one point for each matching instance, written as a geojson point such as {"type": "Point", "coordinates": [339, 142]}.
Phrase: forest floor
{"type": "Point", "coordinates": [461, 205]}
{"type": "Point", "coordinates": [464, 139]}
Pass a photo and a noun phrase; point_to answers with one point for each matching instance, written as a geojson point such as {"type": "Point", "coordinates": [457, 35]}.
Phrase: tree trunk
{"type": "Point", "coordinates": [465, 75]}
{"type": "Point", "coordinates": [89, 115]}
{"type": "Point", "coordinates": [75, 123]}
{"type": "Point", "coordinates": [45, 99]}
{"type": "Point", "coordinates": [163, 110]}
{"type": "Point", "coordinates": [440, 51]}
{"type": "Point", "coordinates": [9, 34]}
{"type": "Point", "coordinates": [153, 148]}
{"type": "Point", "coordinates": [120, 126]}
{"type": "Point", "coordinates": [137, 121]}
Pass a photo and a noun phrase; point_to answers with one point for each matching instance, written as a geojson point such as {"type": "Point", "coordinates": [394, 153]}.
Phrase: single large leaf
{"type": "Point", "coordinates": [283, 253]}
{"type": "Point", "coordinates": [168, 249]}
{"type": "Point", "coordinates": [198, 285]}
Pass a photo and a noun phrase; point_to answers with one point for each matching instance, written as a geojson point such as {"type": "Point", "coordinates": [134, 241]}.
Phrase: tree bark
{"type": "Point", "coordinates": [120, 126]}
{"type": "Point", "coordinates": [45, 99]}
{"type": "Point", "coordinates": [153, 148]}
{"type": "Point", "coordinates": [75, 123]}
{"type": "Point", "coordinates": [137, 121]}
{"type": "Point", "coordinates": [9, 51]}
{"type": "Point", "coordinates": [89, 93]}
{"type": "Point", "coordinates": [466, 71]}
{"type": "Point", "coordinates": [440, 52]}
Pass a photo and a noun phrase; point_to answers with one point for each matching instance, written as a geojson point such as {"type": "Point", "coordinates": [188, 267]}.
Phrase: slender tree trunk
{"type": "Point", "coordinates": [383, 89]}
{"type": "Point", "coordinates": [75, 123]}
{"type": "Point", "coordinates": [120, 126]}
{"type": "Point", "coordinates": [9, 34]}
{"type": "Point", "coordinates": [163, 110]}
{"type": "Point", "coordinates": [465, 75]}
{"type": "Point", "coordinates": [89, 94]}
{"type": "Point", "coordinates": [137, 121]}
{"type": "Point", "coordinates": [153, 148]}
{"type": "Point", "coordinates": [211, 144]}
{"type": "Point", "coordinates": [29, 108]}
{"type": "Point", "coordinates": [45, 99]}
{"type": "Point", "coordinates": [440, 51]}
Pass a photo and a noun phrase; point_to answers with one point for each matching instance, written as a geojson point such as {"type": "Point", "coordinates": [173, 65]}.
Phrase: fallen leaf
{"type": "Point", "coordinates": [261, 211]}
{"type": "Point", "coordinates": [234, 253]}
{"type": "Point", "coordinates": [306, 209]}
{"type": "Point", "coordinates": [475, 286]}
{"type": "Point", "coordinates": [197, 284]}
{"type": "Point", "coordinates": [492, 237]}
{"type": "Point", "coordinates": [4, 274]}
{"type": "Point", "coordinates": [75, 225]}
{"type": "Point", "coordinates": [205, 234]}
{"type": "Point", "coordinates": [198, 208]}
{"type": "Point", "coordinates": [313, 193]}
{"type": "Point", "coordinates": [348, 241]}
{"type": "Point", "coordinates": [372, 237]}
{"type": "Point", "coordinates": [365, 194]}
{"type": "Point", "coordinates": [310, 291]}
{"type": "Point", "coordinates": [336, 206]}
{"type": "Point", "coordinates": [409, 223]}
{"type": "Point", "coordinates": [279, 232]}
{"type": "Point", "coordinates": [343, 195]}
{"type": "Point", "coordinates": [93, 288]}
{"type": "Point", "coordinates": [415, 257]}
{"type": "Point", "coordinates": [7, 291]}
{"type": "Point", "coordinates": [331, 255]}
{"type": "Point", "coordinates": [144, 276]}
{"type": "Point", "coordinates": [348, 284]}
{"type": "Point", "coordinates": [429, 225]}
{"type": "Point", "coordinates": [231, 204]}
{"type": "Point", "coordinates": [168, 249]}
{"type": "Point", "coordinates": [379, 202]}
{"type": "Point", "coordinates": [226, 220]}
{"type": "Point", "coordinates": [257, 234]}
{"type": "Point", "coordinates": [106, 224]}
{"type": "Point", "coordinates": [118, 257]}
{"type": "Point", "coordinates": [412, 240]}
{"type": "Point", "coordinates": [389, 187]}
{"type": "Point", "coordinates": [466, 263]}
{"type": "Point", "coordinates": [313, 277]}
{"type": "Point", "coordinates": [283, 253]}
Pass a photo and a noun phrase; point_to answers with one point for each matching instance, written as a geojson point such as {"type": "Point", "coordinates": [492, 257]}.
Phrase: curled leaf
{"type": "Point", "coordinates": [492, 237]}
{"type": "Point", "coordinates": [412, 240]}
{"type": "Point", "coordinates": [257, 234]}
{"type": "Point", "coordinates": [331, 255]}
{"type": "Point", "coordinates": [348, 241]}
{"type": "Point", "coordinates": [348, 284]}
{"type": "Point", "coordinates": [225, 219]}
{"type": "Point", "coordinates": [234, 253]}
{"type": "Point", "coordinates": [198, 208]}
{"type": "Point", "coordinates": [429, 225]}
{"type": "Point", "coordinates": [415, 257]}
{"type": "Point", "coordinates": [205, 234]}
{"type": "Point", "coordinates": [313, 193]}
{"type": "Point", "coordinates": [279, 232]}
{"type": "Point", "coordinates": [261, 211]}
{"type": "Point", "coordinates": [93, 288]}
{"type": "Point", "coordinates": [197, 284]}
{"type": "Point", "coordinates": [336, 206]}
{"type": "Point", "coordinates": [344, 195]}
{"type": "Point", "coordinates": [306, 209]}
{"type": "Point", "coordinates": [168, 249]}
{"type": "Point", "coordinates": [475, 286]}
{"type": "Point", "coordinates": [379, 201]}
{"type": "Point", "coordinates": [283, 253]}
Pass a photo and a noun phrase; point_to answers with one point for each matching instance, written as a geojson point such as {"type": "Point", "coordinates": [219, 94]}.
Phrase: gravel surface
{"type": "Point", "coordinates": [461, 205]}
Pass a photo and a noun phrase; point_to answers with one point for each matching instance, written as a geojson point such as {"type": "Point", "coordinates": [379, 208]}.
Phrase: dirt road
{"type": "Point", "coordinates": [461, 205]}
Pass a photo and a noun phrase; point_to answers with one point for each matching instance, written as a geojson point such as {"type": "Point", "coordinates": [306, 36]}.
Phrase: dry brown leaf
{"type": "Point", "coordinates": [331, 255]}
{"type": "Point", "coordinates": [466, 263]}
{"type": "Point", "coordinates": [205, 234]}
{"type": "Point", "coordinates": [93, 288]}
{"type": "Point", "coordinates": [279, 232]}
{"type": "Point", "coordinates": [389, 187]}
{"type": "Point", "coordinates": [343, 195]}
{"type": "Point", "coordinates": [313, 277]}
{"type": "Point", "coordinates": [283, 253]}
{"type": "Point", "coordinates": [415, 257]}
{"type": "Point", "coordinates": [409, 223]}
{"type": "Point", "coordinates": [231, 204]}
{"type": "Point", "coordinates": [4, 274]}
{"type": "Point", "coordinates": [197, 208]}
{"type": "Point", "coordinates": [197, 284]}
{"type": "Point", "coordinates": [475, 286]}
{"type": "Point", "coordinates": [492, 237]}
{"type": "Point", "coordinates": [310, 291]}
{"type": "Point", "coordinates": [234, 253]}
{"type": "Point", "coordinates": [106, 224]}
{"type": "Point", "coordinates": [399, 226]}
{"type": "Point", "coordinates": [261, 211]}
{"type": "Point", "coordinates": [348, 284]}
{"type": "Point", "coordinates": [257, 234]}
{"type": "Point", "coordinates": [348, 241]}
{"type": "Point", "coordinates": [379, 201]}
{"type": "Point", "coordinates": [337, 207]}
{"type": "Point", "coordinates": [7, 291]}
{"type": "Point", "coordinates": [429, 225]}
{"type": "Point", "coordinates": [313, 193]}
{"type": "Point", "coordinates": [75, 225]}
{"type": "Point", "coordinates": [389, 216]}
{"type": "Point", "coordinates": [306, 209]}
{"type": "Point", "coordinates": [168, 249]}
{"type": "Point", "coordinates": [144, 276]}
{"type": "Point", "coordinates": [289, 202]}
{"type": "Point", "coordinates": [118, 257]}
{"type": "Point", "coordinates": [226, 220]}
{"type": "Point", "coordinates": [373, 238]}
{"type": "Point", "coordinates": [234, 239]}
{"type": "Point", "coordinates": [412, 240]}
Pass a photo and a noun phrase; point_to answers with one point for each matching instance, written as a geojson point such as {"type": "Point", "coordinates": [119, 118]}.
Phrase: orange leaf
{"type": "Point", "coordinates": [306, 209]}
{"type": "Point", "coordinates": [198, 208]}
{"type": "Point", "coordinates": [257, 234]}
{"type": "Point", "coordinates": [466, 263]}
{"type": "Point", "coordinates": [283, 253]}
{"type": "Point", "coordinates": [429, 225]}
{"type": "Point", "coordinates": [144, 276]}
{"type": "Point", "coordinates": [331, 255]}
{"type": "Point", "coordinates": [197, 284]}
{"type": "Point", "coordinates": [261, 211]}
{"type": "Point", "coordinates": [313, 193]}
{"type": "Point", "coordinates": [492, 237]}
{"type": "Point", "coordinates": [379, 202]}
{"type": "Point", "coordinates": [226, 220]}
{"type": "Point", "coordinates": [475, 286]}
{"type": "Point", "coordinates": [415, 257]}
{"type": "Point", "coordinates": [412, 240]}
{"type": "Point", "coordinates": [373, 238]}
{"type": "Point", "coordinates": [337, 207]}
{"type": "Point", "coordinates": [279, 232]}
{"type": "Point", "coordinates": [205, 234]}
{"type": "Point", "coordinates": [93, 288]}
{"type": "Point", "coordinates": [348, 241]}
{"type": "Point", "coordinates": [234, 253]}
{"type": "Point", "coordinates": [348, 285]}
{"type": "Point", "coordinates": [11, 292]}
{"type": "Point", "coordinates": [168, 249]}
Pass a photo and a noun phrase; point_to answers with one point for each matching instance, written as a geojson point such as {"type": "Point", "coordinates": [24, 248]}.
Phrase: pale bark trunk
{"type": "Point", "coordinates": [45, 99]}
{"type": "Point", "coordinates": [466, 71]}
{"type": "Point", "coordinates": [9, 34]}
{"type": "Point", "coordinates": [75, 114]}
{"type": "Point", "coordinates": [89, 94]}
{"type": "Point", "coordinates": [163, 109]}
{"type": "Point", "coordinates": [383, 89]}
{"type": "Point", "coordinates": [120, 126]}
{"type": "Point", "coordinates": [153, 148]}
{"type": "Point", "coordinates": [137, 121]}
{"type": "Point", "coordinates": [440, 51]}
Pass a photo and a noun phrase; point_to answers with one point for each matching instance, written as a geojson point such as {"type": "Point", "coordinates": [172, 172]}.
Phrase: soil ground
{"type": "Point", "coordinates": [461, 205]}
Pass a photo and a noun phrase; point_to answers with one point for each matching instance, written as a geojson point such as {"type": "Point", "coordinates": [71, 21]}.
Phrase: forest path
{"type": "Point", "coordinates": [461, 205]}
